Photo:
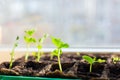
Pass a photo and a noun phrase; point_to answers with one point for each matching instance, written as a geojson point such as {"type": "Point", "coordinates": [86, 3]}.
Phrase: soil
{"type": "Point", "coordinates": [72, 64]}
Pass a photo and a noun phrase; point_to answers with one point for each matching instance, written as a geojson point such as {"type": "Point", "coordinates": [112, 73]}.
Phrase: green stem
{"type": "Point", "coordinates": [59, 62]}
{"type": "Point", "coordinates": [90, 67]}
{"type": "Point", "coordinates": [12, 58]}
{"type": "Point", "coordinates": [11, 61]}
{"type": "Point", "coordinates": [27, 53]}
{"type": "Point", "coordinates": [38, 55]}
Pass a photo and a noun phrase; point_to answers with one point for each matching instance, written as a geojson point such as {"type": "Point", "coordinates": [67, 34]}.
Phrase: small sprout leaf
{"type": "Point", "coordinates": [41, 40]}
{"type": "Point", "coordinates": [17, 38]}
{"type": "Point", "coordinates": [88, 59]}
{"type": "Point", "coordinates": [30, 32]}
{"type": "Point", "coordinates": [16, 44]}
{"type": "Point", "coordinates": [94, 59]}
{"type": "Point", "coordinates": [65, 45]}
{"type": "Point", "coordinates": [32, 40]}
{"type": "Point", "coordinates": [55, 52]}
{"type": "Point", "coordinates": [39, 46]}
{"type": "Point", "coordinates": [26, 39]}
{"type": "Point", "coordinates": [46, 35]}
{"type": "Point", "coordinates": [115, 59]}
{"type": "Point", "coordinates": [100, 60]}
{"type": "Point", "coordinates": [56, 41]}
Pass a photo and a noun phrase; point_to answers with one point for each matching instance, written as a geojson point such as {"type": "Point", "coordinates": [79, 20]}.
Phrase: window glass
{"type": "Point", "coordinates": [78, 22]}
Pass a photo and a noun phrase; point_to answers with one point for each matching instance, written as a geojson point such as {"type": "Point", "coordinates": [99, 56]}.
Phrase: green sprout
{"type": "Point", "coordinates": [39, 46]}
{"type": "Point", "coordinates": [115, 59]}
{"type": "Point", "coordinates": [58, 51]}
{"type": "Point", "coordinates": [12, 52]}
{"type": "Point", "coordinates": [28, 38]}
{"type": "Point", "coordinates": [91, 60]}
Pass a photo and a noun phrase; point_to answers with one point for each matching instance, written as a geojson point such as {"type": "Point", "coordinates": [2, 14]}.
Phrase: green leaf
{"type": "Point", "coordinates": [30, 32]}
{"type": "Point", "coordinates": [100, 60]}
{"type": "Point", "coordinates": [88, 59]}
{"type": "Point", "coordinates": [32, 40]}
{"type": "Point", "coordinates": [41, 40]}
{"type": "Point", "coordinates": [39, 46]}
{"type": "Point", "coordinates": [115, 58]}
{"type": "Point", "coordinates": [56, 41]}
{"type": "Point", "coordinates": [65, 45]}
{"type": "Point", "coordinates": [26, 39]}
{"type": "Point", "coordinates": [46, 35]}
{"type": "Point", "coordinates": [17, 38]}
{"type": "Point", "coordinates": [16, 44]}
{"type": "Point", "coordinates": [55, 52]}
{"type": "Point", "coordinates": [94, 58]}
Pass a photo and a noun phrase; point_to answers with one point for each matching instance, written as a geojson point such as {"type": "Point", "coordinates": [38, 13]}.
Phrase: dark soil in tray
{"type": "Point", "coordinates": [72, 64]}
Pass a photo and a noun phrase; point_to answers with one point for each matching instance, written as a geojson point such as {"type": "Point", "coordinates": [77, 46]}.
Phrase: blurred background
{"type": "Point", "coordinates": [78, 22]}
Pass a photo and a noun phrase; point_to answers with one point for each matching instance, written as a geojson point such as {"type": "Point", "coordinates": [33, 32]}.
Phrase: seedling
{"type": "Point", "coordinates": [28, 38]}
{"type": "Point", "coordinates": [115, 59]}
{"type": "Point", "coordinates": [39, 46]}
{"type": "Point", "coordinates": [58, 51]}
{"type": "Point", "coordinates": [91, 60]}
{"type": "Point", "coordinates": [12, 52]}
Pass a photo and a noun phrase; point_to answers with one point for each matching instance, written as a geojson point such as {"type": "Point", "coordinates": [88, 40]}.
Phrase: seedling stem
{"type": "Point", "coordinates": [12, 52]}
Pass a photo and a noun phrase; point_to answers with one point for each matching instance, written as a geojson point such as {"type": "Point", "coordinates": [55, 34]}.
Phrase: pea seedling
{"type": "Point", "coordinates": [115, 59]}
{"type": "Point", "coordinates": [39, 46]}
{"type": "Point", "coordinates": [12, 52]}
{"type": "Point", "coordinates": [29, 39]}
{"type": "Point", "coordinates": [91, 60]}
{"type": "Point", "coordinates": [58, 51]}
